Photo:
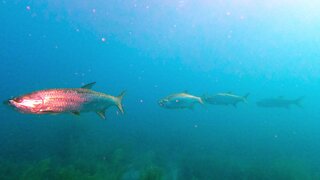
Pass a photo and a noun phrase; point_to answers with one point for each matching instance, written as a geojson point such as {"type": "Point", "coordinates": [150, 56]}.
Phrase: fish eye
{"type": "Point", "coordinates": [18, 99]}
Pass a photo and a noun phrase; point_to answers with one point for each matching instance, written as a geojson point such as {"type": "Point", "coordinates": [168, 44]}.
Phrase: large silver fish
{"type": "Point", "coordinates": [68, 100]}
{"type": "Point", "coordinates": [279, 102]}
{"type": "Point", "coordinates": [225, 99]}
{"type": "Point", "coordinates": [180, 101]}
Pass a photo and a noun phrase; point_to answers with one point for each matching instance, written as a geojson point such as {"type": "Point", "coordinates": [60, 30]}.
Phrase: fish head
{"type": "Point", "coordinates": [26, 104]}
{"type": "Point", "coordinates": [163, 102]}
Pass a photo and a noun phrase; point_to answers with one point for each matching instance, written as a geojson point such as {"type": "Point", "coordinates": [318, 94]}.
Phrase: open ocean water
{"type": "Point", "coordinates": [152, 49]}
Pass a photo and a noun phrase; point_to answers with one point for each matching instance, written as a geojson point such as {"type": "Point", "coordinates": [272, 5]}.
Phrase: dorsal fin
{"type": "Point", "coordinates": [88, 86]}
{"type": "Point", "coordinates": [101, 114]}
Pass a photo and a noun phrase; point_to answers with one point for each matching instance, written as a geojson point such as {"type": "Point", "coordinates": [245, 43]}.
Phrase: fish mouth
{"type": "Point", "coordinates": [161, 103]}
{"type": "Point", "coordinates": [7, 102]}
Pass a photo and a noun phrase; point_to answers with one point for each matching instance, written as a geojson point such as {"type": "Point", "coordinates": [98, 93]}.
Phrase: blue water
{"type": "Point", "coordinates": [152, 49]}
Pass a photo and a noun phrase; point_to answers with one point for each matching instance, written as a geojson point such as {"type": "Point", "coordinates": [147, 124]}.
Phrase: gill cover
{"type": "Point", "coordinates": [27, 104]}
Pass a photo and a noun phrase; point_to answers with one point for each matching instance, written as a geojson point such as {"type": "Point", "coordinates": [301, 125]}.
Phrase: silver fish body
{"type": "Point", "coordinates": [225, 99]}
{"type": "Point", "coordinates": [180, 101]}
{"type": "Point", "coordinates": [67, 100]}
{"type": "Point", "coordinates": [279, 102]}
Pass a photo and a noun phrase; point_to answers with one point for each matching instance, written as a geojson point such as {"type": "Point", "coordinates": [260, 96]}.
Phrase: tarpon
{"type": "Point", "coordinates": [180, 101]}
{"type": "Point", "coordinates": [67, 100]}
{"type": "Point", "coordinates": [279, 102]}
{"type": "Point", "coordinates": [225, 99]}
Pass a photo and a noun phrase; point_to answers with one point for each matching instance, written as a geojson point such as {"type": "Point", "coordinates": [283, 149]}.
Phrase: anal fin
{"type": "Point", "coordinates": [102, 114]}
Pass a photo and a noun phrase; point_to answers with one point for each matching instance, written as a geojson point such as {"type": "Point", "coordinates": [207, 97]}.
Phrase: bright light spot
{"type": "Point", "coordinates": [77, 30]}
{"type": "Point", "coordinates": [242, 17]}
{"type": "Point", "coordinates": [195, 126]}
{"type": "Point", "coordinates": [177, 100]}
{"type": "Point", "coordinates": [228, 13]}
{"type": "Point", "coordinates": [30, 103]}
{"type": "Point", "coordinates": [275, 136]}
{"type": "Point", "coordinates": [181, 4]}
{"type": "Point", "coordinates": [94, 10]}
{"type": "Point", "coordinates": [28, 8]}
{"type": "Point", "coordinates": [103, 39]}
{"type": "Point", "coordinates": [147, 7]}
{"type": "Point", "coordinates": [141, 101]}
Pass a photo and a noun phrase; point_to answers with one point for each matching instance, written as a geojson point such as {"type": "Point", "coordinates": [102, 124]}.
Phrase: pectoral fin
{"type": "Point", "coordinates": [76, 113]}
{"type": "Point", "coordinates": [102, 114]}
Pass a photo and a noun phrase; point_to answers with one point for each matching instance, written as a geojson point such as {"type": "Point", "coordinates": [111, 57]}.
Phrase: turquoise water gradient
{"type": "Point", "coordinates": [152, 49]}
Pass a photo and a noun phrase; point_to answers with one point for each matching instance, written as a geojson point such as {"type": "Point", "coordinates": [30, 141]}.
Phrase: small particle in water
{"type": "Point", "coordinates": [103, 39]}
{"type": "Point", "coordinates": [195, 126]}
{"type": "Point", "coordinates": [28, 8]}
{"type": "Point", "coordinates": [94, 10]}
{"type": "Point", "coordinates": [228, 13]}
{"type": "Point", "coordinates": [141, 100]}
{"type": "Point", "coordinates": [275, 136]}
{"type": "Point", "coordinates": [147, 7]}
{"type": "Point", "coordinates": [177, 100]}
{"type": "Point", "coordinates": [77, 30]}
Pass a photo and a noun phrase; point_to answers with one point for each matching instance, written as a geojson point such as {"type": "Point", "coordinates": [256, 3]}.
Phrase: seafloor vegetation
{"type": "Point", "coordinates": [93, 153]}
{"type": "Point", "coordinates": [118, 164]}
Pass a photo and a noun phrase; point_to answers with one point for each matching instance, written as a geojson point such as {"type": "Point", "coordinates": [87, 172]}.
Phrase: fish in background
{"type": "Point", "coordinates": [66, 100]}
{"type": "Point", "coordinates": [180, 101]}
{"type": "Point", "coordinates": [279, 102]}
{"type": "Point", "coordinates": [225, 99]}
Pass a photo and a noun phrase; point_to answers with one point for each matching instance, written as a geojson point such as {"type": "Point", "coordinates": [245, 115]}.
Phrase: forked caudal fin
{"type": "Point", "coordinates": [119, 101]}
{"type": "Point", "coordinates": [297, 102]}
{"type": "Point", "coordinates": [201, 100]}
{"type": "Point", "coordinates": [245, 97]}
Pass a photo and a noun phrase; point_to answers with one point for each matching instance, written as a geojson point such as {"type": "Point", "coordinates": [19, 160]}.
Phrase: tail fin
{"type": "Point", "coordinates": [201, 100]}
{"type": "Point", "coordinates": [297, 102]}
{"type": "Point", "coordinates": [245, 97]}
{"type": "Point", "coordinates": [204, 98]}
{"type": "Point", "coordinates": [119, 101]}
